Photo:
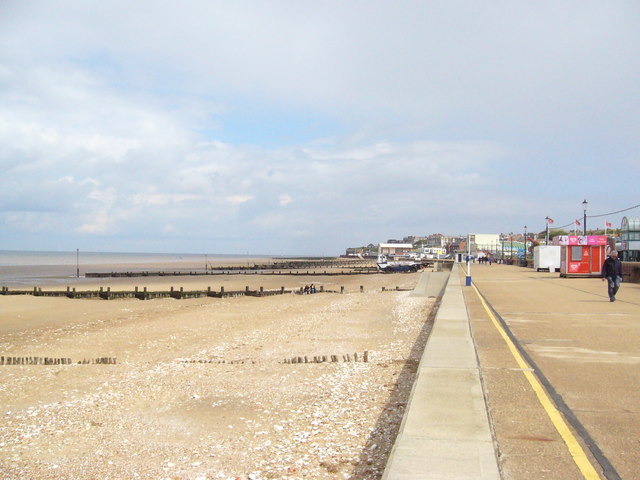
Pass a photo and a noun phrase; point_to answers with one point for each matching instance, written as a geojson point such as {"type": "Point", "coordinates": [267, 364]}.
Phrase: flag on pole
{"type": "Point", "coordinates": [607, 224]}
{"type": "Point", "coordinates": [549, 220]}
{"type": "Point", "coordinates": [578, 223]}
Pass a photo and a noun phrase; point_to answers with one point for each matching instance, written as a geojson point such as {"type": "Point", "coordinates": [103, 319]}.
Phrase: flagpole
{"type": "Point", "coordinates": [546, 239]}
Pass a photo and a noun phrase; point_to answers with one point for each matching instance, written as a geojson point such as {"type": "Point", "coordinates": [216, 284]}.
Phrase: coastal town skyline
{"type": "Point", "coordinates": [299, 128]}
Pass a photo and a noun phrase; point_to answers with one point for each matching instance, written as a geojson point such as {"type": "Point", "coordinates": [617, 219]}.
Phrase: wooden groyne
{"type": "Point", "coordinates": [145, 294]}
{"type": "Point", "coordinates": [232, 271]}
{"type": "Point", "coordinates": [328, 358]}
{"type": "Point", "coordinates": [279, 267]}
{"type": "Point", "coordinates": [55, 361]}
{"type": "Point", "coordinates": [179, 294]}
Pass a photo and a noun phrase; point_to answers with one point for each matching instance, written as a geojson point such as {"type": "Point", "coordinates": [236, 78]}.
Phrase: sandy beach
{"type": "Point", "coordinates": [201, 388]}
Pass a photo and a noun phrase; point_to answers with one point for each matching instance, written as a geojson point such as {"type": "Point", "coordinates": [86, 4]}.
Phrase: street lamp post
{"type": "Point", "coordinates": [525, 246]}
{"type": "Point", "coordinates": [468, 279]}
{"type": "Point", "coordinates": [584, 219]}
{"type": "Point", "coordinates": [511, 250]}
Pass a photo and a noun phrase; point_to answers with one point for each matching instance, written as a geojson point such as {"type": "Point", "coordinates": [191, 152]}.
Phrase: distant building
{"type": "Point", "coordinates": [415, 240]}
{"type": "Point", "coordinates": [370, 250]}
{"type": "Point", "coordinates": [433, 252]}
{"type": "Point", "coordinates": [395, 248]}
{"type": "Point", "coordinates": [489, 242]}
{"type": "Point", "coordinates": [630, 239]}
{"type": "Point", "coordinates": [437, 240]}
{"type": "Point", "coordinates": [511, 249]}
{"type": "Point", "coordinates": [455, 244]}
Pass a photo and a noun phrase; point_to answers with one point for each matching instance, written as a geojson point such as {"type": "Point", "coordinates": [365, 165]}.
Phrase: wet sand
{"type": "Point", "coordinates": [201, 389]}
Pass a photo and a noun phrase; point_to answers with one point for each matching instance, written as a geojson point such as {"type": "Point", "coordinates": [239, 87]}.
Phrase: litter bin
{"type": "Point", "coordinates": [468, 283]}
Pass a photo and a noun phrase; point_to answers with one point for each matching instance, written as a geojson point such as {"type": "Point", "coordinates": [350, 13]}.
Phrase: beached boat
{"type": "Point", "coordinates": [385, 265]}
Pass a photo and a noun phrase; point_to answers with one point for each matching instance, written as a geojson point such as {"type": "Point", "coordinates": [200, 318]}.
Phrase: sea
{"type": "Point", "coordinates": [20, 268]}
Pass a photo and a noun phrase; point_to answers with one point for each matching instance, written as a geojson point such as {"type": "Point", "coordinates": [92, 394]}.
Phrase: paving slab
{"type": "Point", "coordinates": [444, 461]}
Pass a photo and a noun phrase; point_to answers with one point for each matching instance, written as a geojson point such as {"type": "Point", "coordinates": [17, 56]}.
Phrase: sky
{"type": "Point", "coordinates": [306, 127]}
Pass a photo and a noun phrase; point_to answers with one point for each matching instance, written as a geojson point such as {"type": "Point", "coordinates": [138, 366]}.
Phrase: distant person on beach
{"type": "Point", "coordinates": [612, 272]}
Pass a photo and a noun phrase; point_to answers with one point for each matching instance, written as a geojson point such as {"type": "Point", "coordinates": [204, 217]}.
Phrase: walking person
{"type": "Point", "coordinates": [612, 272]}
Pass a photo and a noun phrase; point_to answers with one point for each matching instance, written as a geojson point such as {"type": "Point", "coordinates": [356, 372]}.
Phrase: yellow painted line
{"type": "Point", "coordinates": [578, 454]}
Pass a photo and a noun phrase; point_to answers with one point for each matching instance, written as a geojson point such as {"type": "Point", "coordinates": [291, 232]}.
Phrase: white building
{"type": "Point", "coordinates": [433, 252]}
{"type": "Point", "coordinates": [394, 248]}
{"type": "Point", "coordinates": [489, 242]}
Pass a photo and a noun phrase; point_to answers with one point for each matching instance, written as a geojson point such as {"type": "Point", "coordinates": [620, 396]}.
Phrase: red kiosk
{"type": "Point", "coordinates": [581, 255]}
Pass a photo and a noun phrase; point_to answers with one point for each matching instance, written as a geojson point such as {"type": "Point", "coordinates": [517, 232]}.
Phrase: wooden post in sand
{"type": "Point", "coordinates": [341, 290]}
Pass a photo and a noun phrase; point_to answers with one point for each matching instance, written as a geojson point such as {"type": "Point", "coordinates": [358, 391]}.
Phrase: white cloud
{"type": "Point", "coordinates": [100, 223]}
{"type": "Point", "coordinates": [238, 199]}
{"type": "Point", "coordinates": [284, 199]}
{"type": "Point", "coordinates": [106, 213]}
{"type": "Point", "coordinates": [161, 199]}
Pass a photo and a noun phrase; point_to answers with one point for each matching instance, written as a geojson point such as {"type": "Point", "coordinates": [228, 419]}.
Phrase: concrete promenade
{"type": "Point", "coordinates": [478, 408]}
{"type": "Point", "coordinates": [445, 432]}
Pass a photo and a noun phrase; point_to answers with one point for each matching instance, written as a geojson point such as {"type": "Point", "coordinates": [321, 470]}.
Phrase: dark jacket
{"type": "Point", "coordinates": [612, 268]}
